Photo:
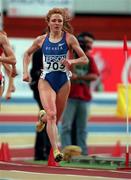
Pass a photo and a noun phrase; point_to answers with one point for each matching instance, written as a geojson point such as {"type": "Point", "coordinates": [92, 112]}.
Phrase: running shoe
{"type": "Point", "coordinates": [40, 124]}
{"type": "Point", "coordinates": [58, 156]}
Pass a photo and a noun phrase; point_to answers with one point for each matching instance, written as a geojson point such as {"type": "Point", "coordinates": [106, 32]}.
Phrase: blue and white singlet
{"type": "Point", "coordinates": [54, 71]}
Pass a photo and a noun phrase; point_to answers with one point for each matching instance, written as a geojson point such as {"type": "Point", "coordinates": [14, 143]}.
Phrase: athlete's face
{"type": "Point", "coordinates": [56, 22]}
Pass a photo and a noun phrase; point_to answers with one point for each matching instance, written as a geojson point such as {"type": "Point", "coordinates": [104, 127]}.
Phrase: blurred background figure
{"type": "Point", "coordinates": [75, 116]}
{"type": "Point", "coordinates": [42, 143]}
{"type": "Point", "coordinates": [7, 64]}
{"type": "Point", "coordinates": [5, 69]}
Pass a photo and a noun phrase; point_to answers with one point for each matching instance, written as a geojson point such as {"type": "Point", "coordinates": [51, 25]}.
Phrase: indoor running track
{"type": "Point", "coordinates": [25, 171]}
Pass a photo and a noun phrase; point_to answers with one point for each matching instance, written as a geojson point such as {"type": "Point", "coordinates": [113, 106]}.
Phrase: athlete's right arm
{"type": "Point", "coordinates": [27, 57]}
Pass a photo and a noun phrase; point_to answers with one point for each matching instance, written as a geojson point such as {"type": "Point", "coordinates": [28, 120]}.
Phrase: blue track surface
{"type": "Point", "coordinates": [91, 127]}
{"type": "Point", "coordinates": [31, 100]}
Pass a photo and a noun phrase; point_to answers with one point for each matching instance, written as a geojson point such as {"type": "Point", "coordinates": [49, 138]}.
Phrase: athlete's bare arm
{"type": "Point", "coordinates": [74, 44]}
{"type": "Point", "coordinates": [27, 56]}
{"type": "Point", "coordinates": [9, 57]}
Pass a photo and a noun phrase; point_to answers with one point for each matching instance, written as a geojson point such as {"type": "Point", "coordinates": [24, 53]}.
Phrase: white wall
{"type": "Point", "coordinates": [103, 6]}
{"type": "Point", "coordinates": [79, 6]}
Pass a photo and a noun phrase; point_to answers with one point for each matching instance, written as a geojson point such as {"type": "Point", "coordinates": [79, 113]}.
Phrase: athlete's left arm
{"type": "Point", "coordinates": [74, 44]}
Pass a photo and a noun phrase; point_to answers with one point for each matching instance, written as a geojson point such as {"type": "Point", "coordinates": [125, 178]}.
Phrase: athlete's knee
{"type": "Point", "coordinates": [51, 115]}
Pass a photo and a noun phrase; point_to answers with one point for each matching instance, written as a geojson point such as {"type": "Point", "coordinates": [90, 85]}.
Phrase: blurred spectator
{"type": "Point", "coordinates": [8, 62]}
{"type": "Point", "coordinates": [11, 87]}
{"type": "Point", "coordinates": [78, 104]}
{"type": "Point", "coordinates": [42, 144]}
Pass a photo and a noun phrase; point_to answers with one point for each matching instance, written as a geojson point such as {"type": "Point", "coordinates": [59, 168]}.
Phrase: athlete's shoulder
{"type": "Point", "coordinates": [3, 33]}
{"type": "Point", "coordinates": [70, 39]}
{"type": "Point", "coordinates": [70, 36]}
{"type": "Point", "coordinates": [40, 39]}
{"type": "Point", "coordinates": [3, 37]}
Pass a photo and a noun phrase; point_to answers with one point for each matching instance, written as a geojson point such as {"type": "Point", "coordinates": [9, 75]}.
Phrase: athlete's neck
{"type": "Point", "coordinates": [55, 36]}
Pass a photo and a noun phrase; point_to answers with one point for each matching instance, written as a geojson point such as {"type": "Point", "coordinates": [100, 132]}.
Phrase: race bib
{"type": "Point", "coordinates": [54, 66]}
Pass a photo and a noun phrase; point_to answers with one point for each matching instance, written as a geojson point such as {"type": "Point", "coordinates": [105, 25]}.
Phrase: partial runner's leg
{"type": "Point", "coordinates": [48, 99]}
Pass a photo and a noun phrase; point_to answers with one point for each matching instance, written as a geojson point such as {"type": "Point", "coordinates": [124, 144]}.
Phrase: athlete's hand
{"type": "Point", "coordinates": [26, 77]}
{"type": "Point", "coordinates": [8, 95]}
{"type": "Point", "coordinates": [14, 71]}
{"type": "Point", "coordinates": [74, 76]}
{"type": "Point", "coordinates": [67, 63]}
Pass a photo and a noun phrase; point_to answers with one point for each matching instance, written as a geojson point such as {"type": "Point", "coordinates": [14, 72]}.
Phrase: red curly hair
{"type": "Point", "coordinates": [66, 18]}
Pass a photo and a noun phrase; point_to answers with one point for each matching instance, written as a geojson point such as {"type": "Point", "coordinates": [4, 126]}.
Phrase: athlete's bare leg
{"type": "Point", "coordinates": [48, 98]}
{"type": "Point", "coordinates": [60, 104]}
{"type": "Point", "coordinates": [50, 101]}
{"type": "Point", "coordinates": [61, 99]}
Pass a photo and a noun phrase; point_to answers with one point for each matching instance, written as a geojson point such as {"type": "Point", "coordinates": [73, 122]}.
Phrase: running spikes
{"type": "Point", "coordinates": [58, 156]}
